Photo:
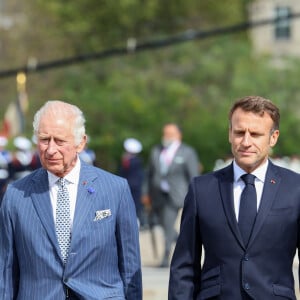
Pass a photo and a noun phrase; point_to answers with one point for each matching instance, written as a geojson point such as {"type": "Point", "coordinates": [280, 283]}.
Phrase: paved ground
{"type": "Point", "coordinates": [155, 280]}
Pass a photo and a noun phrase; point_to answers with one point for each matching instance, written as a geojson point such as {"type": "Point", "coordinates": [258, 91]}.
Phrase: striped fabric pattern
{"type": "Point", "coordinates": [104, 255]}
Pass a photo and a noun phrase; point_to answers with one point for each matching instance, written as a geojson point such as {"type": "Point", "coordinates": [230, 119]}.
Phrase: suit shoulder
{"type": "Point", "coordinates": [103, 174]}
{"type": "Point", "coordinates": [25, 181]}
{"type": "Point", "coordinates": [156, 148]}
{"type": "Point", "coordinates": [187, 147]}
{"type": "Point", "coordinates": [188, 151]}
{"type": "Point", "coordinates": [206, 177]}
{"type": "Point", "coordinates": [223, 173]}
{"type": "Point", "coordinates": [286, 173]}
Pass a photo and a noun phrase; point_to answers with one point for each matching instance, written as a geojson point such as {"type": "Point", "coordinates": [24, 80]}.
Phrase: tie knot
{"type": "Point", "coordinates": [61, 181]}
{"type": "Point", "coordinates": [248, 178]}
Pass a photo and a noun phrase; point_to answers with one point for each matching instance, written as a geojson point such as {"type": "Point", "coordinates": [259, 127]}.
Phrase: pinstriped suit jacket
{"type": "Point", "coordinates": [104, 257]}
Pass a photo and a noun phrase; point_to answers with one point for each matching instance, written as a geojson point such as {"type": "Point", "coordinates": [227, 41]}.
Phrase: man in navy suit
{"type": "Point", "coordinates": [98, 258]}
{"type": "Point", "coordinates": [211, 259]}
{"type": "Point", "coordinates": [132, 169]}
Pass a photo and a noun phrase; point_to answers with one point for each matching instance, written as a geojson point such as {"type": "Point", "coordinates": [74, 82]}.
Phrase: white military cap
{"type": "Point", "coordinates": [22, 143]}
{"type": "Point", "coordinates": [132, 145]}
{"type": "Point", "coordinates": [3, 141]}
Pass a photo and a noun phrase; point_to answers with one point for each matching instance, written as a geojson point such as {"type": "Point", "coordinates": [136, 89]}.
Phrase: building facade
{"type": "Point", "coordinates": [281, 38]}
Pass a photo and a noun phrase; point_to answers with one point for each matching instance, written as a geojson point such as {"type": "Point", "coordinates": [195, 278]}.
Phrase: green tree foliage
{"type": "Point", "coordinates": [105, 23]}
{"type": "Point", "coordinates": [193, 84]}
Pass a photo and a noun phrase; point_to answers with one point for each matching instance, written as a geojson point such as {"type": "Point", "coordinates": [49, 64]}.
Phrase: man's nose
{"type": "Point", "coordinates": [51, 147]}
{"type": "Point", "coordinates": [246, 139]}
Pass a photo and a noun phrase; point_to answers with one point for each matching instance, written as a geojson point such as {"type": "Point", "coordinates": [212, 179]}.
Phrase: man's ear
{"type": "Point", "coordinates": [274, 138]}
{"type": "Point", "coordinates": [82, 144]}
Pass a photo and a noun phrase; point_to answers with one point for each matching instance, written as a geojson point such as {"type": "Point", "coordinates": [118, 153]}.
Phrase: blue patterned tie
{"type": "Point", "coordinates": [248, 207]}
{"type": "Point", "coordinates": [63, 219]}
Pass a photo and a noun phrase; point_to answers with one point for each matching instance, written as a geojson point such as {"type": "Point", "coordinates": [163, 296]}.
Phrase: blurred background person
{"type": "Point", "coordinates": [87, 154]}
{"type": "Point", "coordinates": [172, 165]}
{"type": "Point", "coordinates": [36, 162]}
{"type": "Point", "coordinates": [5, 159]}
{"type": "Point", "coordinates": [24, 160]}
{"type": "Point", "coordinates": [132, 169]}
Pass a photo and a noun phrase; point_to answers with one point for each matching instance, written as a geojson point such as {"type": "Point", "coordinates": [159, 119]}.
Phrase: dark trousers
{"type": "Point", "coordinates": [167, 215]}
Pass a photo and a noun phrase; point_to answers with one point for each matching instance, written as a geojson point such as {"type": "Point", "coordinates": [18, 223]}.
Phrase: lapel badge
{"type": "Point", "coordinates": [273, 181]}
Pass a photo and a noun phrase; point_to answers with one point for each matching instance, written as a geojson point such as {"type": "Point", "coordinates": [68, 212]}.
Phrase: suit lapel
{"type": "Point", "coordinates": [156, 157]}
{"type": "Point", "coordinates": [226, 189]}
{"type": "Point", "coordinates": [177, 158]}
{"type": "Point", "coordinates": [86, 192]}
{"type": "Point", "coordinates": [271, 185]}
{"type": "Point", "coordinates": [42, 204]}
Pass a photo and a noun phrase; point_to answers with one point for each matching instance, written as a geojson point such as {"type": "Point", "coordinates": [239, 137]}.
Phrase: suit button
{"type": "Point", "coordinates": [246, 286]}
{"type": "Point", "coordinates": [246, 257]}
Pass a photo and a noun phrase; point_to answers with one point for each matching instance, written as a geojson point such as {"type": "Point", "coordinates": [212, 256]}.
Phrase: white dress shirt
{"type": "Point", "coordinates": [167, 155]}
{"type": "Point", "coordinates": [238, 184]}
{"type": "Point", "coordinates": [72, 180]}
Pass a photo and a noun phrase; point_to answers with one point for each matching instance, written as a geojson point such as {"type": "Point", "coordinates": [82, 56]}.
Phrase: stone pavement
{"type": "Point", "coordinates": [155, 280]}
{"type": "Point", "coordinates": [155, 283]}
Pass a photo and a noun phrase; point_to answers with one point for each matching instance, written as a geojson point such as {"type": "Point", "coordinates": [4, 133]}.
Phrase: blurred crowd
{"type": "Point", "coordinates": [16, 160]}
{"type": "Point", "coordinates": [288, 162]}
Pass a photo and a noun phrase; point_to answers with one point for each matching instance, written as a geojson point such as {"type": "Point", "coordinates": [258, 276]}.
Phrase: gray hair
{"type": "Point", "coordinates": [70, 111]}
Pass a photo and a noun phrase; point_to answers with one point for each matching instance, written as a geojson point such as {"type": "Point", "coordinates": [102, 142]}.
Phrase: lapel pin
{"type": "Point", "coordinates": [91, 190]}
{"type": "Point", "coordinates": [273, 181]}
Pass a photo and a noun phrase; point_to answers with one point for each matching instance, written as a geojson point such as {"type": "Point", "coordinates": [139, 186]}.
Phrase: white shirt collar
{"type": "Point", "coordinates": [173, 146]}
{"type": "Point", "coordinates": [72, 177]}
{"type": "Point", "coordinates": [260, 172]}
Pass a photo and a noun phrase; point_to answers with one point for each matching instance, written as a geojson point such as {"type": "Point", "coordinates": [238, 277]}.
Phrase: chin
{"type": "Point", "coordinates": [246, 164]}
{"type": "Point", "coordinates": [55, 171]}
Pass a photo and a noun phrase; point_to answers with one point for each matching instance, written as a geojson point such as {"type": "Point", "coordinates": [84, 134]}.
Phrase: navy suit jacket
{"type": "Point", "coordinates": [104, 258]}
{"type": "Point", "coordinates": [209, 233]}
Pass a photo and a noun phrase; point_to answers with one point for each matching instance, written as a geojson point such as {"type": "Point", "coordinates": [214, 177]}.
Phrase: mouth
{"type": "Point", "coordinates": [52, 160]}
{"type": "Point", "coordinates": [246, 152]}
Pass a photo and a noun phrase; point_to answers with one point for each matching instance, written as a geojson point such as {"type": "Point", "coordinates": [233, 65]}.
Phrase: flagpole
{"type": "Point", "coordinates": [21, 88]}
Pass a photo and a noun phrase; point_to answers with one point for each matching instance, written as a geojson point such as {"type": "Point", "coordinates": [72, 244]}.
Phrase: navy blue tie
{"type": "Point", "coordinates": [248, 207]}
